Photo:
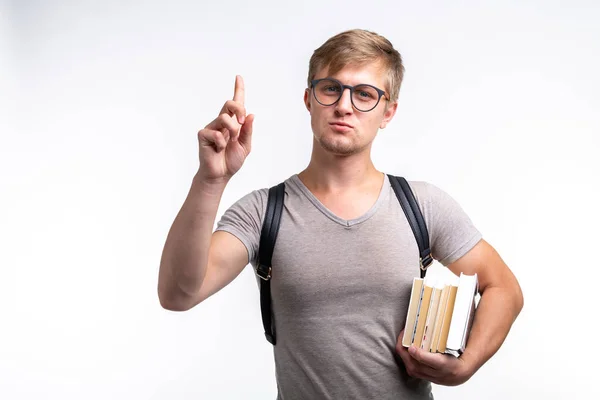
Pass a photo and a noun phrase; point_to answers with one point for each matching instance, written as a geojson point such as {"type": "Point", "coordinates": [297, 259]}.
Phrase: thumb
{"type": "Point", "coordinates": [245, 137]}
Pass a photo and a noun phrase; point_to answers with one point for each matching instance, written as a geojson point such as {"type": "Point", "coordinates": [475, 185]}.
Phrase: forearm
{"type": "Point", "coordinates": [498, 308]}
{"type": "Point", "coordinates": [185, 254]}
{"type": "Point", "coordinates": [500, 304]}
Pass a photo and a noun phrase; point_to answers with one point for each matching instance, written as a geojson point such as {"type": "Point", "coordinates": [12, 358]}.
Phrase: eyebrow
{"type": "Point", "coordinates": [358, 84]}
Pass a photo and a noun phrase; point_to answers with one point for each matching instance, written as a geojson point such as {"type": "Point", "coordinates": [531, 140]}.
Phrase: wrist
{"type": "Point", "coordinates": [211, 186]}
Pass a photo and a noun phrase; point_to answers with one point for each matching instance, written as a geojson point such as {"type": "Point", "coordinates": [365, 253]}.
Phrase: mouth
{"type": "Point", "coordinates": [340, 125]}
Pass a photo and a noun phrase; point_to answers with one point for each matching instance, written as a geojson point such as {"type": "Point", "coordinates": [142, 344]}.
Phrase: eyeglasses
{"type": "Point", "coordinates": [364, 98]}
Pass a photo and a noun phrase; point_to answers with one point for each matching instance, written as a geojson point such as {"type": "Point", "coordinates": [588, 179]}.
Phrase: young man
{"type": "Point", "coordinates": [345, 255]}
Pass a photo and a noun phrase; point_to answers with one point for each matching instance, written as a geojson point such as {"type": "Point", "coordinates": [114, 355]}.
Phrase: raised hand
{"type": "Point", "coordinates": [226, 141]}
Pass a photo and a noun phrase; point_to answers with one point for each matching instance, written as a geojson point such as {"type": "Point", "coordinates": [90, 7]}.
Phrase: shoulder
{"type": "Point", "coordinates": [435, 203]}
{"type": "Point", "coordinates": [254, 199]}
{"type": "Point", "coordinates": [424, 189]}
{"type": "Point", "coordinates": [429, 193]}
{"type": "Point", "coordinates": [255, 202]}
{"type": "Point", "coordinates": [426, 193]}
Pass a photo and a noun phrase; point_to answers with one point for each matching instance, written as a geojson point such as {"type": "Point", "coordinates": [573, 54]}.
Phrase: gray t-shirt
{"type": "Point", "coordinates": [340, 288]}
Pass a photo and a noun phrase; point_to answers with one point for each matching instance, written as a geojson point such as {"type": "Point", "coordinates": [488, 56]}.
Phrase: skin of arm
{"type": "Point", "coordinates": [197, 263]}
{"type": "Point", "coordinates": [500, 304]}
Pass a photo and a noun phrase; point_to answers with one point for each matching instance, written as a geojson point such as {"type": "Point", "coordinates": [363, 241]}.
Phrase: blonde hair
{"type": "Point", "coordinates": [359, 47]}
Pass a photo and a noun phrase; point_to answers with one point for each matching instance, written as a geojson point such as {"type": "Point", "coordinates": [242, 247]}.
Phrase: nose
{"type": "Point", "coordinates": [344, 104]}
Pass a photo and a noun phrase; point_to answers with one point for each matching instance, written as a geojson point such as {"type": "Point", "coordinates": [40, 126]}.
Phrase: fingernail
{"type": "Point", "coordinates": [242, 120]}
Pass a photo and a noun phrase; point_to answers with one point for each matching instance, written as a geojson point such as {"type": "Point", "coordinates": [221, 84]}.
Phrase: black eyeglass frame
{"type": "Point", "coordinates": [381, 93]}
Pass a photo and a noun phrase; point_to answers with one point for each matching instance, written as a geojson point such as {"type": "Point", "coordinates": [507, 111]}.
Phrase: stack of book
{"type": "Point", "coordinates": [440, 316]}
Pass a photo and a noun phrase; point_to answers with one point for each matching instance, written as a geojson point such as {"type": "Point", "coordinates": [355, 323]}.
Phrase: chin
{"type": "Point", "coordinates": [342, 146]}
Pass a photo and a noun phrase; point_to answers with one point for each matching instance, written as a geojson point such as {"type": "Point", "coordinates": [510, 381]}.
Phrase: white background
{"type": "Point", "coordinates": [100, 103]}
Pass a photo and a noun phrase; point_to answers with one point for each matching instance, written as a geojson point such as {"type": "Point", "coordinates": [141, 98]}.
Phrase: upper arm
{"type": "Point", "coordinates": [227, 257]}
{"type": "Point", "coordinates": [234, 242]}
{"type": "Point", "coordinates": [491, 270]}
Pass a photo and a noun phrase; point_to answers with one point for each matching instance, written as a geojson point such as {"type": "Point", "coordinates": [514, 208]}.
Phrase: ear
{"type": "Point", "coordinates": [307, 99]}
{"type": "Point", "coordinates": [388, 114]}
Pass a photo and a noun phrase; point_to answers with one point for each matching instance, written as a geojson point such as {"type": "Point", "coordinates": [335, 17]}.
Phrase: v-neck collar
{"type": "Point", "coordinates": [327, 212]}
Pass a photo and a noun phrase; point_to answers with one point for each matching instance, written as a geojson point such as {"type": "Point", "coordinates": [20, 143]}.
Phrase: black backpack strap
{"type": "Point", "coordinates": [268, 236]}
{"type": "Point", "coordinates": [415, 219]}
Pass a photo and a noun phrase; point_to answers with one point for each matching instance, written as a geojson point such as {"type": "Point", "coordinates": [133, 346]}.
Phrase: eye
{"type": "Point", "coordinates": [331, 88]}
{"type": "Point", "coordinates": [365, 94]}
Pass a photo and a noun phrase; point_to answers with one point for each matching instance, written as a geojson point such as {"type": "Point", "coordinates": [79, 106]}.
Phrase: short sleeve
{"type": "Point", "coordinates": [244, 220]}
{"type": "Point", "coordinates": [451, 232]}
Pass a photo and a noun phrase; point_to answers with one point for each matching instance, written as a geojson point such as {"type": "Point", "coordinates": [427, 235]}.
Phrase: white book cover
{"type": "Point", "coordinates": [462, 316]}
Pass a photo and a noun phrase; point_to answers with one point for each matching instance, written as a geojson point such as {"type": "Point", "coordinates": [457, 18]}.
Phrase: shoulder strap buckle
{"type": "Point", "coordinates": [263, 272]}
{"type": "Point", "coordinates": [425, 262]}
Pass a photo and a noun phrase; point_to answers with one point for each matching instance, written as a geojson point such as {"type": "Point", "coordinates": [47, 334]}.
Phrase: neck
{"type": "Point", "coordinates": [328, 172]}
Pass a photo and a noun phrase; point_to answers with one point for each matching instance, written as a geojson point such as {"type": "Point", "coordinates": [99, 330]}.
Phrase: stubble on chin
{"type": "Point", "coordinates": [342, 146]}
{"type": "Point", "coordinates": [342, 149]}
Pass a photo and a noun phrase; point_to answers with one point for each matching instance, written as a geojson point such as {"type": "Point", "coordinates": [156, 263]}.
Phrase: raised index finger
{"type": "Point", "coordinates": [239, 92]}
